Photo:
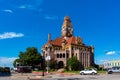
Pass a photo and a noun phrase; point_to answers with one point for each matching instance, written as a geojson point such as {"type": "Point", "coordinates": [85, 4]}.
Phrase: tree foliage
{"type": "Point", "coordinates": [30, 57]}
{"type": "Point", "coordinates": [73, 63]}
{"type": "Point", "coordinates": [15, 62]}
{"type": "Point", "coordinates": [53, 64]}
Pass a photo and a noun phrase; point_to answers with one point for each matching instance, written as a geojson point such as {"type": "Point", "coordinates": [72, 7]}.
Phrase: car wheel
{"type": "Point", "coordinates": [93, 73]}
{"type": "Point", "coordinates": [110, 72]}
{"type": "Point", "coordinates": [82, 73]}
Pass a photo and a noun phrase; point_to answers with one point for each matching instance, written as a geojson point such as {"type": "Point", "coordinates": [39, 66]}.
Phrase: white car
{"type": "Point", "coordinates": [114, 70]}
{"type": "Point", "coordinates": [88, 71]}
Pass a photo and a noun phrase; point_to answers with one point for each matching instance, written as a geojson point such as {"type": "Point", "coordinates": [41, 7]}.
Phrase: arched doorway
{"type": "Point", "coordinates": [60, 64]}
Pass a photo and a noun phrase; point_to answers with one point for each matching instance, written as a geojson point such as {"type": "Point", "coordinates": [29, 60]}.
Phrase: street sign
{"type": "Point", "coordinates": [47, 58]}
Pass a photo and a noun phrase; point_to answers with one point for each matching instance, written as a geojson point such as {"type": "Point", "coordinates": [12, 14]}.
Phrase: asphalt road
{"type": "Point", "coordinates": [62, 77]}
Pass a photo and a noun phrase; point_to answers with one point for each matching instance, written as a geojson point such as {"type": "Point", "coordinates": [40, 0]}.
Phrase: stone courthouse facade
{"type": "Point", "coordinates": [68, 46]}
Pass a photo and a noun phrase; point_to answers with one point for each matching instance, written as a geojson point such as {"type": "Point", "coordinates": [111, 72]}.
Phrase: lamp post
{"type": "Point", "coordinates": [22, 64]}
{"type": "Point", "coordinates": [43, 63]}
{"type": "Point", "coordinates": [48, 58]}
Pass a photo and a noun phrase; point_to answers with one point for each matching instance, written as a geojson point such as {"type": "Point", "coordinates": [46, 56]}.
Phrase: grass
{"type": "Point", "coordinates": [72, 72]}
{"type": "Point", "coordinates": [101, 72]}
{"type": "Point", "coordinates": [77, 72]}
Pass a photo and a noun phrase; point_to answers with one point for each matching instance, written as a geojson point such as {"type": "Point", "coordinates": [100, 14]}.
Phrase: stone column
{"type": "Point", "coordinates": [89, 59]}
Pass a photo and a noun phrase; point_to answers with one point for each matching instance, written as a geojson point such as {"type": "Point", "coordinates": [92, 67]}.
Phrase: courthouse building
{"type": "Point", "coordinates": [67, 46]}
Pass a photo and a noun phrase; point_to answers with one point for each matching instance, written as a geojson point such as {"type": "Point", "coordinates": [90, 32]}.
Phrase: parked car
{"type": "Point", "coordinates": [113, 70]}
{"type": "Point", "coordinates": [5, 71]}
{"type": "Point", "coordinates": [88, 71]}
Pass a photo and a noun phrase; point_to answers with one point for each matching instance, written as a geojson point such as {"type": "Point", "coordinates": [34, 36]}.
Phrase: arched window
{"type": "Point", "coordinates": [64, 55]}
{"type": "Point", "coordinates": [60, 55]}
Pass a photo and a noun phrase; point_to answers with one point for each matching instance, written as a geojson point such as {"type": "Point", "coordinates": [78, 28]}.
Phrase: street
{"type": "Point", "coordinates": [30, 76]}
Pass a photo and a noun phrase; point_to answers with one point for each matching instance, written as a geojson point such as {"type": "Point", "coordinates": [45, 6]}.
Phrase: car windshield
{"type": "Point", "coordinates": [88, 69]}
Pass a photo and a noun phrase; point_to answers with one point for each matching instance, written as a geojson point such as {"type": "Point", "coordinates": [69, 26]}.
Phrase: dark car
{"type": "Point", "coordinates": [5, 71]}
{"type": "Point", "coordinates": [114, 70]}
{"type": "Point", "coordinates": [24, 69]}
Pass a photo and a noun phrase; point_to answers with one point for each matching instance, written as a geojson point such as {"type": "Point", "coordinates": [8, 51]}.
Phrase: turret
{"type": "Point", "coordinates": [49, 37]}
{"type": "Point", "coordinates": [67, 30]}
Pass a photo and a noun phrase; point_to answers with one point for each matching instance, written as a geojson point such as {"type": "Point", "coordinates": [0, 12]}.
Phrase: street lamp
{"type": "Point", "coordinates": [43, 62]}
{"type": "Point", "coordinates": [48, 58]}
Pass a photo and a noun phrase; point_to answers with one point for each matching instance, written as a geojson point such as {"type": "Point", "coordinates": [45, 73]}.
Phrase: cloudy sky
{"type": "Point", "coordinates": [26, 23]}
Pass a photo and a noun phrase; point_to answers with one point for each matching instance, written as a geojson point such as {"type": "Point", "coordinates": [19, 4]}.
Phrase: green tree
{"type": "Point", "coordinates": [73, 63]}
{"type": "Point", "coordinates": [16, 62]}
{"type": "Point", "coordinates": [30, 57]}
{"type": "Point", "coordinates": [53, 64]}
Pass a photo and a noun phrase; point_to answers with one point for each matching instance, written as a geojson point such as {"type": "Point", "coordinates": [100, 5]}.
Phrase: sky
{"type": "Point", "coordinates": [26, 23]}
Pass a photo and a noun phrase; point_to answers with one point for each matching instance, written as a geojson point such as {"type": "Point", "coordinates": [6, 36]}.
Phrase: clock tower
{"type": "Point", "coordinates": [67, 30]}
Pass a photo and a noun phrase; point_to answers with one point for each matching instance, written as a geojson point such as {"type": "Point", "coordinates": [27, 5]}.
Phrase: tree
{"type": "Point", "coordinates": [16, 62]}
{"type": "Point", "coordinates": [53, 64]}
{"type": "Point", "coordinates": [73, 63]}
{"type": "Point", "coordinates": [30, 57]}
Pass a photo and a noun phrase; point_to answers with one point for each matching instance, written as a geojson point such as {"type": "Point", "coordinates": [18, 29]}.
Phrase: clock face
{"type": "Point", "coordinates": [67, 31]}
{"type": "Point", "coordinates": [69, 28]}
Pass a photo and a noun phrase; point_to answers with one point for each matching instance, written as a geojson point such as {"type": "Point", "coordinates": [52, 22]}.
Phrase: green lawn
{"type": "Point", "coordinates": [78, 72]}
{"type": "Point", "coordinates": [101, 72]}
{"type": "Point", "coordinates": [72, 72]}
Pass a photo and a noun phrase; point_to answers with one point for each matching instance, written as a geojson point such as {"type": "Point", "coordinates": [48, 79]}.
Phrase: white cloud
{"type": "Point", "coordinates": [7, 61]}
{"type": "Point", "coordinates": [111, 52]}
{"type": "Point", "coordinates": [22, 7]}
{"type": "Point", "coordinates": [26, 6]}
{"type": "Point", "coordinates": [7, 11]}
{"type": "Point", "coordinates": [7, 35]}
{"type": "Point", "coordinates": [51, 17]}
{"type": "Point", "coordinates": [30, 7]}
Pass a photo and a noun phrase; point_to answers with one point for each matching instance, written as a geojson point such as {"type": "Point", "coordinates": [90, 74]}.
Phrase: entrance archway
{"type": "Point", "coordinates": [60, 64]}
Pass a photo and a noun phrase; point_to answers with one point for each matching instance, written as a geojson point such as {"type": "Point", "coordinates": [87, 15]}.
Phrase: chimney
{"type": "Point", "coordinates": [49, 37]}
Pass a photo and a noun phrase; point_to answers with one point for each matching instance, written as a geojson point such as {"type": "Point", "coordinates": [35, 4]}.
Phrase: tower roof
{"type": "Point", "coordinates": [67, 29]}
{"type": "Point", "coordinates": [67, 18]}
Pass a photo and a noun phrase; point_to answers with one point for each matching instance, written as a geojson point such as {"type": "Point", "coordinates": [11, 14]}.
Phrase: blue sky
{"type": "Point", "coordinates": [26, 23]}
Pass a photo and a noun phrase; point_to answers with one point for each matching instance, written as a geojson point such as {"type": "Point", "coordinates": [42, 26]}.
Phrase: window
{"type": "Point", "coordinates": [81, 48]}
{"type": "Point", "coordinates": [56, 48]}
{"type": "Point", "coordinates": [72, 48]}
{"type": "Point", "coordinates": [57, 55]}
{"type": "Point", "coordinates": [118, 63]}
{"type": "Point", "coordinates": [63, 55]}
{"type": "Point", "coordinates": [50, 49]}
{"type": "Point", "coordinates": [60, 55]}
{"type": "Point", "coordinates": [67, 55]}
